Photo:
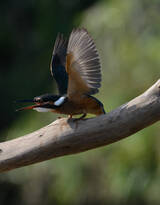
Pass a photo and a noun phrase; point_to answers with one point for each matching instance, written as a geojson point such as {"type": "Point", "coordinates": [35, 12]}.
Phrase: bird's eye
{"type": "Point", "coordinates": [38, 100]}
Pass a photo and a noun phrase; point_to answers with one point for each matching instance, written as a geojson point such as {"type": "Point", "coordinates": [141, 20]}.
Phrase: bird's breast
{"type": "Point", "coordinates": [82, 104]}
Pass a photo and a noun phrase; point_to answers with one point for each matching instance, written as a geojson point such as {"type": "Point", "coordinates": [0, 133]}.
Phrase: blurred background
{"type": "Point", "coordinates": [127, 35]}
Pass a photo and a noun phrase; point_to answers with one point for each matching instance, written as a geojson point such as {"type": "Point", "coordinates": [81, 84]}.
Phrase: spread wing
{"type": "Point", "coordinates": [82, 64]}
{"type": "Point", "coordinates": [58, 62]}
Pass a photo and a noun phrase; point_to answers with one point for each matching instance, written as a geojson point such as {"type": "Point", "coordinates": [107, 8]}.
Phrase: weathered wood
{"type": "Point", "coordinates": [64, 137]}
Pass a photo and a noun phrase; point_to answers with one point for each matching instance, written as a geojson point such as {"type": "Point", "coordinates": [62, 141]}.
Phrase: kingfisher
{"type": "Point", "coordinates": [75, 66]}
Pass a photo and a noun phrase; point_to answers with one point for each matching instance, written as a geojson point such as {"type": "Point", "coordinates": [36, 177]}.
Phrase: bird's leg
{"type": "Point", "coordinates": [83, 116]}
{"type": "Point", "coordinates": [77, 119]}
{"type": "Point", "coordinates": [80, 118]}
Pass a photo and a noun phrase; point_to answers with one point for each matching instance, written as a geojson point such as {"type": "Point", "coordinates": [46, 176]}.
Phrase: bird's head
{"type": "Point", "coordinates": [44, 103]}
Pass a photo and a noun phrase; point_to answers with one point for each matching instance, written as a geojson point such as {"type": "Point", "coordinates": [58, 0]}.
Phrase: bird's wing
{"type": "Point", "coordinates": [58, 62]}
{"type": "Point", "coordinates": [82, 64]}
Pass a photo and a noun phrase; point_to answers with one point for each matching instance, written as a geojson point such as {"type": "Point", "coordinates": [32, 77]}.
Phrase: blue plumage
{"type": "Point", "coordinates": [60, 75]}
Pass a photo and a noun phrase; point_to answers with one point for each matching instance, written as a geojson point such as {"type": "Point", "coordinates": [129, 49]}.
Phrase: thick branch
{"type": "Point", "coordinates": [64, 137]}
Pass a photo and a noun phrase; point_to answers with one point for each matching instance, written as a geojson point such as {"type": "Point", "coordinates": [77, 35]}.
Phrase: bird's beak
{"type": "Point", "coordinates": [28, 107]}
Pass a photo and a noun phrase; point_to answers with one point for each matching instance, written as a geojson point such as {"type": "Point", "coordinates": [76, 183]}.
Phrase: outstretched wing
{"type": "Point", "coordinates": [58, 62]}
{"type": "Point", "coordinates": [82, 64]}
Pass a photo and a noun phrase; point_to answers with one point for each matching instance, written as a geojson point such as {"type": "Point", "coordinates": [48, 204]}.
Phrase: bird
{"type": "Point", "coordinates": [75, 66]}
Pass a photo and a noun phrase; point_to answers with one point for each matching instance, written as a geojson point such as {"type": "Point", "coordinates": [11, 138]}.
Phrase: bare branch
{"type": "Point", "coordinates": [64, 137]}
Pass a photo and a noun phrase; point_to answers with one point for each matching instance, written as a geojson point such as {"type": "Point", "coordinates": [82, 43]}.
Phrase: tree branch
{"type": "Point", "coordinates": [64, 137]}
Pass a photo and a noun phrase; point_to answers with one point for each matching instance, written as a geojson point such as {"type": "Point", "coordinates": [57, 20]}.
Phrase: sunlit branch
{"type": "Point", "coordinates": [64, 137]}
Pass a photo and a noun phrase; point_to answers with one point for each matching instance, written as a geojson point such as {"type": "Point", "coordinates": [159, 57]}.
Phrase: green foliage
{"type": "Point", "coordinates": [127, 35]}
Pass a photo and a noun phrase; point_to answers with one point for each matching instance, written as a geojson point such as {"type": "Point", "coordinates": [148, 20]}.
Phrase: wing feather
{"type": "Point", "coordinates": [82, 64]}
{"type": "Point", "coordinates": [58, 62]}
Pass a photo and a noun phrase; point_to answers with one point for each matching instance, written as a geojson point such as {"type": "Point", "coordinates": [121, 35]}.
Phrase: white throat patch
{"type": "Point", "coordinates": [41, 109]}
{"type": "Point", "coordinates": [60, 101]}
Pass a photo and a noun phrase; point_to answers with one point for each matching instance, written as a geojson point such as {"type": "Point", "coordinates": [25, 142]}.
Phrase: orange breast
{"type": "Point", "coordinates": [84, 104]}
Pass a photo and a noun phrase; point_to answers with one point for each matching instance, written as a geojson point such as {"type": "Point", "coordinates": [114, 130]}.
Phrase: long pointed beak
{"type": "Point", "coordinates": [36, 105]}
{"type": "Point", "coordinates": [28, 107]}
{"type": "Point", "coordinates": [26, 101]}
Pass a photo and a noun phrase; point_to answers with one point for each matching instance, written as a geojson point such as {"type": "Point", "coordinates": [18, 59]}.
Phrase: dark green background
{"type": "Point", "coordinates": [127, 35]}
